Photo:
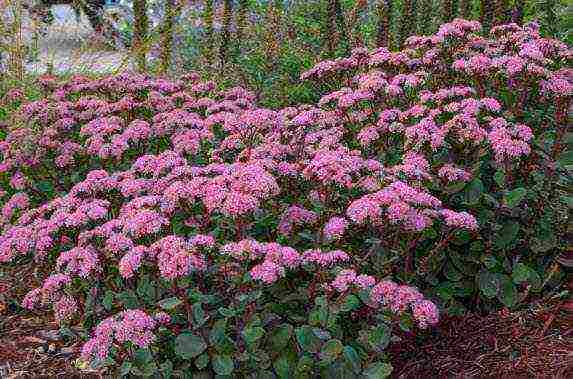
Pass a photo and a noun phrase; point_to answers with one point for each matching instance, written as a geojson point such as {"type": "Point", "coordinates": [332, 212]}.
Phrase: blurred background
{"type": "Point", "coordinates": [261, 44]}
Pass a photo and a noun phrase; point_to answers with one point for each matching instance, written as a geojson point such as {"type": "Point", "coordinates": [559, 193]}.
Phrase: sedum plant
{"type": "Point", "coordinates": [190, 230]}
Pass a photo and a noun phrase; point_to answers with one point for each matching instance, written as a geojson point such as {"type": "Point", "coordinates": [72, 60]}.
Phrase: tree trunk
{"type": "Point", "coordinates": [332, 35]}
{"type": "Point", "coordinates": [517, 15]}
{"type": "Point", "coordinates": [384, 35]}
{"type": "Point", "coordinates": [208, 22]}
{"type": "Point", "coordinates": [407, 23]}
{"type": "Point", "coordinates": [447, 11]}
{"type": "Point", "coordinates": [486, 14]}
{"type": "Point", "coordinates": [273, 31]}
{"type": "Point", "coordinates": [502, 12]}
{"type": "Point", "coordinates": [140, 34]}
{"type": "Point", "coordinates": [354, 23]}
{"type": "Point", "coordinates": [227, 19]}
{"type": "Point", "coordinates": [466, 9]}
{"type": "Point", "coordinates": [171, 10]}
{"type": "Point", "coordinates": [426, 11]}
{"type": "Point", "coordinates": [549, 11]}
{"type": "Point", "coordinates": [242, 15]}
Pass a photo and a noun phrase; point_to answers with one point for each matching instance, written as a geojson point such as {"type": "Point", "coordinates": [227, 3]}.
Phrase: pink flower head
{"type": "Point", "coordinates": [450, 173]}
{"type": "Point", "coordinates": [65, 308]}
{"type": "Point", "coordinates": [343, 280]}
{"type": "Point", "coordinates": [335, 228]}
{"type": "Point", "coordinates": [325, 259]}
{"type": "Point", "coordinates": [461, 220]}
{"type": "Point", "coordinates": [131, 261]}
{"type": "Point", "coordinates": [79, 260]}
{"type": "Point", "coordinates": [268, 272]}
{"type": "Point", "coordinates": [176, 258]}
{"type": "Point", "coordinates": [133, 326]}
{"type": "Point", "coordinates": [425, 313]}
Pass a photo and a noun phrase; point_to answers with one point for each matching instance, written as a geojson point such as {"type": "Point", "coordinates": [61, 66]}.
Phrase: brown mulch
{"type": "Point", "coordinates": [537, 343]}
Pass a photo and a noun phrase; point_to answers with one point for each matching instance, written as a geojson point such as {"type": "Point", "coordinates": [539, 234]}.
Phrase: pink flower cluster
{"type": "Point", "coordinates": [450, 173]}
{"type": "Point", "coordinates": [335, 228]}
{"type": "Point", "coordinates": [398, 298]}
{"type": "Point", "coordinates": [406, 205]}
{"type": "Point", "coordinates": [133, 326]}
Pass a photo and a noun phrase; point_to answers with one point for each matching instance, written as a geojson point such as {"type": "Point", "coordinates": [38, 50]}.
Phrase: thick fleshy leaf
{"type": "Point", "coordinates": [331, 350]}
{"type": "Point", "coordinates": [352, 358]}
{"type": "Point", "coordinates": [307, 339]}
{"type": "Point", "coordinates": [189, 345]}
{"type": "Point", "coordinates": [378, 370]}
{"type": "Point", "coordinates": [223, 364]}
{"type": "Point", "coordinates": [202, 361]}
{"type": "Point", "coordinates": [513, 198]}
{"type": "Point", "coordinates": [379, 337]}
{"type": "Point", "coordinates": [473, 191]}
{"type": "Point", "coordinates": [253, 334]}
{"type": "Point", "coordinates": [507, 234]}
{"type": "Point", "coordinates": [169, 303]}
{"type": "Point", "coordinates": [280, 336]}
{"type": "Point", "coordinates": [489, 283]}
{"type": "Point", "coordinates": [283, 367]}
{"type": "Point", "coordinates": [507, 293]}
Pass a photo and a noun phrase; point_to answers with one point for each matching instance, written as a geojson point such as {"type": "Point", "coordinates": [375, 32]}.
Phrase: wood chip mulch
{"type": "Point", "coordinates": [537, 343]}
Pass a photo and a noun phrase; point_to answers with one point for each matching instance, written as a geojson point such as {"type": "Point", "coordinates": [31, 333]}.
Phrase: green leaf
{"type": "Point", "coordinates": [198, 314]}
{"type": "Point", "coordinates": [452, 274]}
{"type": "Point", "coordinates": [351, 356]}
{"type": "Point", "coordinates": [544, 242]}
{"type": "Point", "coordinates": [253, 334]}
{"type": "Point", "coordinates": [520, 273]}
{"type": "Point", "coordinates": [170, 303]}
{"type": "Point", "coordinates": [513, 198]}
{"type": "Point", "coordinates": [166, 369]}
{"type": "Point", "coordinates": [351, 302]}
{"type": "Point", "coordinates": [488, 283]}
{"type": "Point", "coordinates": [499, 178]}
{"type": "Point", "coordinates": [108, 300]}
{"type": "Point", "coordinates": [227, 312]}
{"type": "Point", "coordinates": [379, 337]}
{"type": "Point", "coordinates": [507, 292]}
{"type": "Point", "coordinates": [305, 364]}
{"type": "Point", "coordinates": [280, 337]}
{"type": "Point", "coordinates": [453, 188]}
{"type": "Point", "coordinates": [406, 323]}
{"type": "Point", "coordinates": [473, 191]}
{"type": "Point", "coordinates": [125, 368]}
{"type": "Point", "coordinates": [46, 187]}
{"type": "Point", "coordinates": [202, 361]}
{"type": "Point", "coordinates": [282, 367]}
{"type": "Point", "coordinates": [128, 299]}
{"type": "Point", "coordinates": [321, 333]}
{"type": "Point", "coordinates": [189, 345]}
{"type": "Point", "coordinates": [142, 357]}
{"type": "Point", "coordinates": [145, 288]}
{"type": "Point", "coordinates": [218, 338]}
{"type": "Point", "coordinates": [507, 235]}
{"type": "Point", "coordinates": [306, 339]}
{"type": "Point", "coordinates": [331, 350]}
{"type": "Point", "coordinates": [223, 364]}
{"type": "Point", "coordinates": [490, 261]}
{"type": "Point", "coordinates": [378, 370]}
{"type": "Point", "coordinates": [567, 200]}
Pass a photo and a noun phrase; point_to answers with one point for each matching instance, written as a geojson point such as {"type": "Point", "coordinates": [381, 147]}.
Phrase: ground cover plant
{"type": "Point", "coordinates": [188, 229]}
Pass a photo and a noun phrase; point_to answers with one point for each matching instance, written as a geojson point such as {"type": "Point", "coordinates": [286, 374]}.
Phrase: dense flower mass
{"type": "Point", "coordinates": [133, 326]}
{"type": "Point", "coordinates": [182, 200]}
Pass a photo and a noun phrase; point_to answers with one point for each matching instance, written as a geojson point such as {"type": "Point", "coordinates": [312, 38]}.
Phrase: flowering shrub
{"type": "Point", "coordinates": [192, 230]}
